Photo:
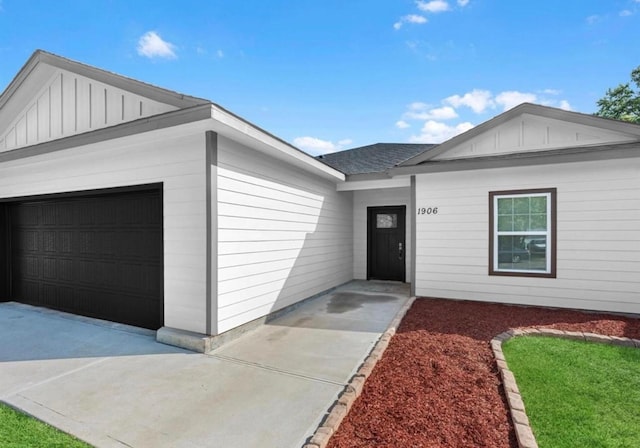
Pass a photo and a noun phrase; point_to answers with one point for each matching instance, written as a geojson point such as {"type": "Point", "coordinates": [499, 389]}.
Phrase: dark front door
{"type": "Point", "coordinates": [98, 256]}
{"type": "Point", "coordinates": [386, 243]}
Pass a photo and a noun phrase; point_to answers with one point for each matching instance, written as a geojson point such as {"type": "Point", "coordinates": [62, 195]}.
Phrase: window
{"type": "Point", "coordinates": [522, 235]}
{"type": "Point", "coordinates": [386, 221]}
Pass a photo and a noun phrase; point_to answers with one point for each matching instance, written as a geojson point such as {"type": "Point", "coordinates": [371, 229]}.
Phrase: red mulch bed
{"type": "Point", "coordinates": [437, 384]}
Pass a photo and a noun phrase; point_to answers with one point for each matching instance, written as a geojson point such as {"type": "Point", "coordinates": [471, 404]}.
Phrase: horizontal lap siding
{"type": "Point", "coordinates": [283, 235]}
{"type": "Point", "coordinates": [177, 162]}
{"type": "Point", "coordinates": [376, 198]}
{"type": "Point", "coordinates": [598, 248]}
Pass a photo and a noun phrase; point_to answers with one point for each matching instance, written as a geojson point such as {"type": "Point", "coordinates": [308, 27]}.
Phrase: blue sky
{"type": "Point", "coordinates": [334, 74]}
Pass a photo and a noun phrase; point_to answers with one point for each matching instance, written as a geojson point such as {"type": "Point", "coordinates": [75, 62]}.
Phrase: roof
{"type": "Point", "coordinates": [374, 158]}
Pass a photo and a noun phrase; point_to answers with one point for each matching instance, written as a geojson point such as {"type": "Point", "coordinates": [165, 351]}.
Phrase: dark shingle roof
{"type": "Point", "coordinates": [375, 158]}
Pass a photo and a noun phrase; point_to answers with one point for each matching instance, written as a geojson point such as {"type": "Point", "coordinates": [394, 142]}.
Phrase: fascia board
{"type": "Point", "coordinates": [239, 129]}
{"type": "Point", "coordinates": [153, 123]}
{"type": "Point", "coordinates": [396, 182]}
{"type": "Point", "coordinates": [584, 154]}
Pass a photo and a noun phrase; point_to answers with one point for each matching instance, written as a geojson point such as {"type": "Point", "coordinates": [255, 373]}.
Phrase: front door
{"type": "Point", "coordinates": [386, 243]}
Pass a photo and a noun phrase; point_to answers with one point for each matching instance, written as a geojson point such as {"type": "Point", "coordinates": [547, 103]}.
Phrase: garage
{"type": "Point", "coordinates": [98, 254]}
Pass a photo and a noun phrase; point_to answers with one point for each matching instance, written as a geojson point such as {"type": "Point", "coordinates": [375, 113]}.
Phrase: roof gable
{"type": "Point", "coordinates": [52, 97]}
{"type": "Point", "coordinates": [531, 128]}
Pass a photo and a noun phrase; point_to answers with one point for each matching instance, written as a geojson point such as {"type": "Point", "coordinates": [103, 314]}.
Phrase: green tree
{"type": "Point", "coordinates": [622, 102]}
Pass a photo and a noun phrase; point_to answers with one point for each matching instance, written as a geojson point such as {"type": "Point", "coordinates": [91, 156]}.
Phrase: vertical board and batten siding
{"type": "Point", "coordinates": [283, 235]}
{"type": "Point", "coordinates": [598, 242]}
{"type": "Point", "coordinates": [377, 198]}
{"type": "Point", "coordinates": [71, 104]}
{"type": "Point", "coordinates": [176, 161]}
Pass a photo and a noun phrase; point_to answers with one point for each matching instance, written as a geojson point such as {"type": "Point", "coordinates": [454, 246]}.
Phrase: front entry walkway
{"type": "Point", "coordinates": [116, 388]}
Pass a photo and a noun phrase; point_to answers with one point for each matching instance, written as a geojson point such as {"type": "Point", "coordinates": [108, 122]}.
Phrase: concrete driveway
{"type": "Point", "coordinates": [114, 386]}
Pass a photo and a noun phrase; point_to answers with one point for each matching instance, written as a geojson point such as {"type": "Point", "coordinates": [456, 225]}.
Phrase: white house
{"type": "Point", "coordinates": [131, 203]}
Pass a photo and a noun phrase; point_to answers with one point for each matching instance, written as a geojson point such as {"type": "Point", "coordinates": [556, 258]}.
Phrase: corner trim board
{"type": "Point", "coordinates": [414, 246]}
{"type": "Point", "coordinates": [211, 185]}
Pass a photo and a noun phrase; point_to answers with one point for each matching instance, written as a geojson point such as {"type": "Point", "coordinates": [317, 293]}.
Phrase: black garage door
{"type": "Point", "coordinates": [98, 256]}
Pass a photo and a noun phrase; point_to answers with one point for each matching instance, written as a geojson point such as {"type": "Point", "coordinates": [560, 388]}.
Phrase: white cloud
{"type": "Point", "coordinates": [564, 104]}
{"type": "Point", "coordinates": [552, 91]}
{"type": "Point", "coordinates": [415, 18]}
{"type": "Point", "coordinates": [151, 45]}
{"type": "Point", "coordinates": [511, 99]}
{"type": "Point", "coordinates": [439, 113]}
{"type": "Point", "coordinates": [463, 3]}
{"type": "Point", "coordinates": [433, 6]}
{"type": "Point", "coordinates": [418, 106]}
{"type": "Point", "coordinates": [478, 100]}
{"type": "Point", "coordinates": [593, 19]}
{"type": "Point", "coordinates": [316, 146]}
{"type": "Point", "coordinates": [401, 124]}
{"type": "Point", "coordinates": [411, 18]}
{"type": "Point", "coordinates": [625, 13]}
{"type": "Point", "coordinates": [220, 54]}
{"type": "Point", "coordinates": [437, 132]}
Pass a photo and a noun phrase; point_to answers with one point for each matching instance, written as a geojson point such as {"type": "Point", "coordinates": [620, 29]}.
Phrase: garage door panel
{"type": "Point", "coordinates": [99, 256]}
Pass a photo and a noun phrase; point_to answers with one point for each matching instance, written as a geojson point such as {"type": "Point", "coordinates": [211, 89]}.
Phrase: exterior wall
{"type": "Point", "coordinates": [598, 243]}
{"type": "Point", "coordinates": [377, 198]}
{"type": "Point", "coordinates": [172, 156]}
{"type": "Point", "coordinates": [283, 235]}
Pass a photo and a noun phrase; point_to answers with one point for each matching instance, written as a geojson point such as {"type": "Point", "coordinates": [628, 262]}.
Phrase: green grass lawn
{"type": "Point", "coordinates": [578, 394]}
{"type": "Point", "coordinates": [20, 430]}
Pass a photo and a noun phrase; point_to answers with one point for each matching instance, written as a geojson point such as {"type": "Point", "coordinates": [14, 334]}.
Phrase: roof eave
{"type": "Point", "coordinates": [565, 155]}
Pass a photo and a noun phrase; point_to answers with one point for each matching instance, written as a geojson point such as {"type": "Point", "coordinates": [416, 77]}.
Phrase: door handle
{"type": "Point", "coordinates": [400, 251]}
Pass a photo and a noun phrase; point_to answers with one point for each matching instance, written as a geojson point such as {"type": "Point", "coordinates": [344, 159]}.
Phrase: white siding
{"type": "Point", "coordinates": [377, 198]}
{"type": "Point", "coordinates": [283, 235]}
{"type": "Point", "coordinates": [598, 247]}
{"type": "Point", "coordinates": [71, 104]}
{"type": "Point", "coordinates": [175, 158]}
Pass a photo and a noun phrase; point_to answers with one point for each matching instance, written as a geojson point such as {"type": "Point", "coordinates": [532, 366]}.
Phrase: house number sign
{"type": "Point", "coordinates": [428, 211]}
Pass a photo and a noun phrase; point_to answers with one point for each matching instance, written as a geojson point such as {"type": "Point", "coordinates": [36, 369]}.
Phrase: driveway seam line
{"type": "Point", "coordinates": [50, 379]}
{"type": "Point", "coordinates": [275, 369]}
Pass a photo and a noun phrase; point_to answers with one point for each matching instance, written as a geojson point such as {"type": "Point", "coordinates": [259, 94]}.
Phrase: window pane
{"type": "Point", "coordinates": [521, 206]}
{"type": "Point", "coordinates": [386, 221]}
{"type": "Point", "coordinates": [522, 253]}
{"type": "Point", "coordinates": [505, 206]}
{"type": "Point", "coordinates": [539, 204]}
{"type": "Point", "coordinates": [538, 222]}
{"type": "Point", "coordinates": [505, 223]}
{"type": "Point", "coordinates": [521, 223]}
{"type": "Point", "coordinates": [537, 246]}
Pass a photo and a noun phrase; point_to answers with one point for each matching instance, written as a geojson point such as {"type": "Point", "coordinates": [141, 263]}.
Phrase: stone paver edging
{"type": "Point", "coordinates": [353, 389]}
{"type": "Point", "coordinates": [524, 434]}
